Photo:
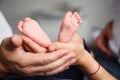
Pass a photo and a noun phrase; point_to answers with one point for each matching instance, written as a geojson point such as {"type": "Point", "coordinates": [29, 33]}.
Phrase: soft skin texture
{"type": "Point", "coordinates": [84, 60]}
{"type": "Point", "coordinates": [69, 26]}
{"type": "Point", "coordinates": [14, 58]}
{"type": "Point", "coordinates": [32, 29]}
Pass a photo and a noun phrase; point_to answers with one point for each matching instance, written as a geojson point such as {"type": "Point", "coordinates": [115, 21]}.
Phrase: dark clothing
{"type": "Point", "coordinates": [71, 74]}
{"type": "Point", "coordinates": [110, 64]}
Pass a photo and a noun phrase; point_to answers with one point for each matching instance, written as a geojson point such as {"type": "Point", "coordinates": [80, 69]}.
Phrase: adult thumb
{"type": "Point", "coordinates": [12, 42]}
{"type": "Point", "coordinates": [59, 45]}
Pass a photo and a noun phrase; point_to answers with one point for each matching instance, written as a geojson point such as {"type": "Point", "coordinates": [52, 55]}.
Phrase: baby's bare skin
{"type": "Point", "coordinates": [32, 29]}
{"type": "Point", "coordinates": [69, 26]}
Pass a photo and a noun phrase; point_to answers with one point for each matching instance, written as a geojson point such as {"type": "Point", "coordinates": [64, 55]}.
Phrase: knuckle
{"type": "Point", "coordinates": [50, 68]}
{"type": "Point", "coordinates": [27, 71]}
{"type": "Point", "coordinates": [22, 63]}
{"type": "Point", "coordinates": [46, 60]}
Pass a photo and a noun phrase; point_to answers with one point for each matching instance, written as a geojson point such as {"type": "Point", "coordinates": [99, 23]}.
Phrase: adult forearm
{"type": "Point", "coordinates": [92, 68]}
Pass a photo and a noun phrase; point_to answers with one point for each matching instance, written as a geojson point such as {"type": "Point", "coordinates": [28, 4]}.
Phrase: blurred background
{"type": "Point", "coordinates": [49, 13]}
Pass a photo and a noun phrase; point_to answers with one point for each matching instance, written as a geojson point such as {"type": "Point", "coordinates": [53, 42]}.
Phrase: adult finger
{"type": "Point", "coordinates": [58, 63]}
{"type": "Point", "coordinates": [110, 35]}
{"type": "Point", "coordinates": [60, 45]}
{"type": "Point", "coordinates": [61, 68]}
{"type": "Point", "coordinates": [12, 42]}
{"type": "Point", "coordinates": [100, 41]}
{"type": "Point", "coordinates": [31, 59]}
{"type": "Point", "coordinates": [32, 46]}
{"type": "Point", "coordinates": [102, 44]}
{"type": "Point", "coordinates": [69, 59]}
{"type": "Point", "coordinates": [57, 70]}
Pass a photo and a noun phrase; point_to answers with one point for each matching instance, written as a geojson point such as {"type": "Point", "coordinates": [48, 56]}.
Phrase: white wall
{"type": "Point", "coordinates": [97, 12]}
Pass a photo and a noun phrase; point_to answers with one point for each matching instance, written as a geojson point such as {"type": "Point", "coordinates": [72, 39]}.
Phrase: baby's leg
{"type": "Point", "coordinates": [31, 29]}
{"type": "Point", "coordinates": [69, 26]}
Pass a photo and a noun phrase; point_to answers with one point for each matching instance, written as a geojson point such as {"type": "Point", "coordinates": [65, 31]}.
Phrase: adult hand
{"type": "Point", "coordinates": [104, 37]}
{"type": "Point", "coordinates": [86, 62]}
{"type": "Point", "coordinates": [76, 46]}
{"type": "Point", "coordinates": [15, 58]}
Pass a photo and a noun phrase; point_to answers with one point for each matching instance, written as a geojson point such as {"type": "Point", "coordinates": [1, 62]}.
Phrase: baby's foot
{"type": "Point", "coordinates": [31, 29]}
{"type": "Point", "coordinates": [69, 26]}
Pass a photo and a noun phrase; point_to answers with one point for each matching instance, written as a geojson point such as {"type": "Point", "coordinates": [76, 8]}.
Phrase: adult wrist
{"type": "Point", "coordinates": [81, 59]}
{"type": "Point", "coordinates": [87, 63]}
